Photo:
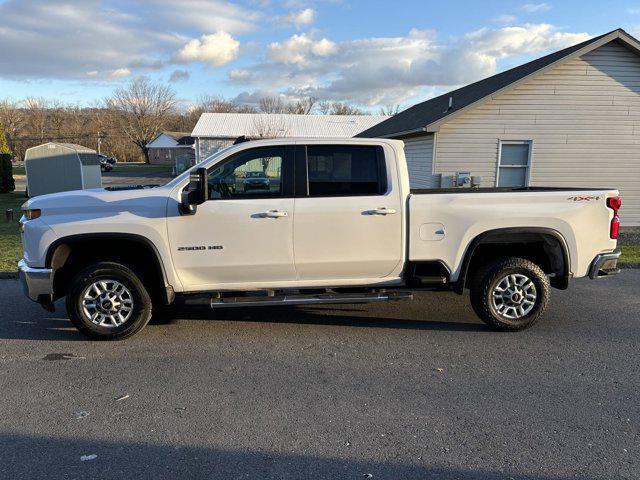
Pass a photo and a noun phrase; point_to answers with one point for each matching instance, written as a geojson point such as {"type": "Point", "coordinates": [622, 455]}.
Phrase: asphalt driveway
{"type": "Point", "coordinates": [416, 390]}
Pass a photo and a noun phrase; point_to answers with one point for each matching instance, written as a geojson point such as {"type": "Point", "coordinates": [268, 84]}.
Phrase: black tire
{"type": "Point", "coordinates": [490, 276]}
{"type": "Point", "coordinates": [140, 312]}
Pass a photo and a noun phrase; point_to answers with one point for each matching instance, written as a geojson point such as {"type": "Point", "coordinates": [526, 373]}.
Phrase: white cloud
{"type": "Point", "coordinates": [505, 19]}
{"type": "Point", "coordinates": [390, 70]}
{"type": "Point", "coordinates": [201, 15]}
{"type": "Point", "coordinates": [66, 39]}
{"type": "Point", "coordinates": [525, 40]}
{"type": "Point", "coordinates": [536, 7]}
{"type": "Point", "coordinates": [216, 49]}
{"type": "Point", "coordinates": [299, 19]}
{"type": "Point", "coordinates": [119, 73]}
{"type": "Point", "coordinates": [300, 49]}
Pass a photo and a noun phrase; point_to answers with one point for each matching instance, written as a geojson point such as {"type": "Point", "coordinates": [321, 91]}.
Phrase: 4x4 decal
{"type": "Point", "coordinates": [579, 198]}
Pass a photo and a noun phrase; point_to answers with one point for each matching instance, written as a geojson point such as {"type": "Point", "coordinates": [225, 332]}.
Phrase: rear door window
{"type": "Point", "coordinates": [345, 170]}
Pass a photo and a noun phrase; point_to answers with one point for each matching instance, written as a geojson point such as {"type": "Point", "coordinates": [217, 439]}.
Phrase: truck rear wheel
{"type": "Point", "coordinates": [107, 301]}
{"type": "Point", "coordinates": [510, 294]}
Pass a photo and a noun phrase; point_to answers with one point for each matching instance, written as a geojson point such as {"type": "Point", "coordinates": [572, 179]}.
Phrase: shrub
{"type": "Point", "coordinates": [7, 183]}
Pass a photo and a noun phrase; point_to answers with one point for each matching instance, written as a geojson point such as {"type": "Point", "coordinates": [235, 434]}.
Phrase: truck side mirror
{"type": "Point", "coordinates": [196, 193]}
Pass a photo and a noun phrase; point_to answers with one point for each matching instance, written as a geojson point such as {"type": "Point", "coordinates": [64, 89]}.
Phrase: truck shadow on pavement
{"type": "Point", "coordinates": [347, 316]}
{"type": "Point", "coordinates": [56, 326]}
{"type": "Point", "coordinates": [44, 458]}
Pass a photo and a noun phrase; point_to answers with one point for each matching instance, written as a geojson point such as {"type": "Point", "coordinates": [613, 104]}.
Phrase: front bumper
{"type": "Point", "coordinates": [605, 265]}
{"type": "Point", "coordinates": [37, 283]}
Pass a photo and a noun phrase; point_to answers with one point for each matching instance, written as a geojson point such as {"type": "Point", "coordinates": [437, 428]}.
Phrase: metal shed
{"type": "Point", "coordinates": [60, 167]}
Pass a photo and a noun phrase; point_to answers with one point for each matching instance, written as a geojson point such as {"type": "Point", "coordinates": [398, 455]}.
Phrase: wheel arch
{"type": "Point", "coordinates": [558, 250]}
{"type": "Point", "coordinates": [84, 246]}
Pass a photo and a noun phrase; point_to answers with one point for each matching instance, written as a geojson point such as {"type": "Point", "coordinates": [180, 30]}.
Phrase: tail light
{"type": "Point", "coordinates": [614, 203]}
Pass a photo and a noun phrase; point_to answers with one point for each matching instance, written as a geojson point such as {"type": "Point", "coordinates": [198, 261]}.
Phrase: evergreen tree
{"type": "Point", "coordinates": [7, 183]}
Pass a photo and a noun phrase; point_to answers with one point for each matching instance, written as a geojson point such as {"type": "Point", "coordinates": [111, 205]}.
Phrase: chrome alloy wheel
{"type": "Point", "coordinates": [107, 303]}
{"type": "Point", "coordinates": [514, 296]}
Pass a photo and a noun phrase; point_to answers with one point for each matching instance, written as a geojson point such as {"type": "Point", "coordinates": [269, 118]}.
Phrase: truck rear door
{"type": "Point", "coordinates": [348, 213]}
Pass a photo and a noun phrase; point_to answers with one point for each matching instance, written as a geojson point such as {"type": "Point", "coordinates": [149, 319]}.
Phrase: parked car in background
{"type": "Point", "coordinates": [342, 226]}
{"type": "Point", "coordinates": [108, 159]}
{"type": "Point", "coordinates": [256, 181]}
{"type": "Point", "coordinates": [105, 166]}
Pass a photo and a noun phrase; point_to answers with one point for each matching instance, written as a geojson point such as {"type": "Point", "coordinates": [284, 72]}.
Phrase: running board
{"type": "Point", "coordinates": [301, 299]}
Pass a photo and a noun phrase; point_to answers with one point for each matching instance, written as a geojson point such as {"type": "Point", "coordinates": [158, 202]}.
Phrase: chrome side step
{"type": "Point", "coordinates": [302, 299]}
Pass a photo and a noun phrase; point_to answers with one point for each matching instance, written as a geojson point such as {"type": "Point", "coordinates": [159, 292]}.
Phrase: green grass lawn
{"type": "Point", "coordinates": [18, 171]}
{"type": "Point", "coordinates": [10, 247]}
{"type": "Point", "coordinates": [630, 253]}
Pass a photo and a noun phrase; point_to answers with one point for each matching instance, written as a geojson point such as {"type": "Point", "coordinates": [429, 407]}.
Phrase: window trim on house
{"type": "Point", "coordinates": [527, 176]}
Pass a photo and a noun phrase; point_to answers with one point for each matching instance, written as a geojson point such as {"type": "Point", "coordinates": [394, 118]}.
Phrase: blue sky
{"type": "Point", "coordinates": [368, 53]}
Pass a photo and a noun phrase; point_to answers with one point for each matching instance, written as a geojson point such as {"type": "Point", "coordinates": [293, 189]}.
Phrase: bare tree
{"type": "Point", "coordinates": [57, 119]}
{"type": "Point", "coordinates": [12, 119]}
{"type": "Point", "coordinates": [390, 110]}
{"type": "Point", "coordinates": [36, 117]}
{"type": "Point", "coordinates": [304, 106]}
{"type": "Point", "coordinates": [337, 108]}
{"type": "Point", "coordinates": [143, 108]}
{"type": "Point", "coordinates": [277, 104]}
{"type": "Point", "coordinates": [212, 104]}
{"type": "Point", "coordinates": [271, 104]}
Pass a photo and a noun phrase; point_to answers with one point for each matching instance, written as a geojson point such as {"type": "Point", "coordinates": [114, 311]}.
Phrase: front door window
{"type": "Point", "coordinates": [255, 173]}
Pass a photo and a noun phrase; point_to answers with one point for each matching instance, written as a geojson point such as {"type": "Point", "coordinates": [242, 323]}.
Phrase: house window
{"type": "Point", "coordinates": [514, 164]}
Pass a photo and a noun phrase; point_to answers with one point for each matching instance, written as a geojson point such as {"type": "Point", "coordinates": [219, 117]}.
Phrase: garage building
{"type": "Point", "coordinates": [571, 118]}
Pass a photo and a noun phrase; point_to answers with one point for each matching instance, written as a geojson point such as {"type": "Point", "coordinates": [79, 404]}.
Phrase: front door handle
{"type": "Point", "coordinates": [274, 214]}
{"type": "Point", "coordinates": [381, 211]}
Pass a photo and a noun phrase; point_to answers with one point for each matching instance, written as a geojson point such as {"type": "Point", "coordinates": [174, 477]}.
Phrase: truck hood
{"type": "Point", "coordinates": [141, 201]}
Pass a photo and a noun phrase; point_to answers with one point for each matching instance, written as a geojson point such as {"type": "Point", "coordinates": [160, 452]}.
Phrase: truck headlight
{"type": "Point", "coordinates": [32, 213]}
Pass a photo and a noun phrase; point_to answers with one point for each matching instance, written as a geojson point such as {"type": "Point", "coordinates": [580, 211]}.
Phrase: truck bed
{"type": "Point", "coordinates": [444, 222]}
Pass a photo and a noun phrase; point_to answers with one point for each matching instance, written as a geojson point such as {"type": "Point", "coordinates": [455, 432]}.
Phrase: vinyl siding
{"type": "Point", "coordinates": [583, 118]}
{"type": "Point", "coordinates": [419, 154]}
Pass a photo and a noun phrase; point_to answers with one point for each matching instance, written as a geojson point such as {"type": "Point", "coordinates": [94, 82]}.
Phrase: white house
{"type": "Point", "coordinates": [218, 130]}
{"type": "Point", "coordinates": [571, 118]}
{"type": "Point", "coordinates": [171, 148]}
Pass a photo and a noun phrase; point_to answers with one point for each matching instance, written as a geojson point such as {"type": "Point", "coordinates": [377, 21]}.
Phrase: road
{"type": "Point", "coordinates": [121, 177]}
{"type": "Point", "coordinates": [415, 390]}
{"type": "Point", "coordinates": [132, 177]}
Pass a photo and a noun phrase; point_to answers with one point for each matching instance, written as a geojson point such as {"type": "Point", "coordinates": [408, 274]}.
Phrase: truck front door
{"type": "Point", "coordinates": [244, 233]}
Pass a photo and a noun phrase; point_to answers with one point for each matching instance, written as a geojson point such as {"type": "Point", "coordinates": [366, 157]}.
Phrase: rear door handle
{"type": "Point", "coordinates": [381, 211]}
{"type": "Point", "coordinates": [274, 214]}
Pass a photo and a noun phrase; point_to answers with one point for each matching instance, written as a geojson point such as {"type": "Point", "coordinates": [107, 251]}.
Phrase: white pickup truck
{"type": "Point", "coordinates": [297, 221]}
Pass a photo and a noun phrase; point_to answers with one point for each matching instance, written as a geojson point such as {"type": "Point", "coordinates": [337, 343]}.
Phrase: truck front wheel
{"type": "Point", "coordinates": [510, 294]}
{"type": "Point", "coordinates": [107, 301]}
